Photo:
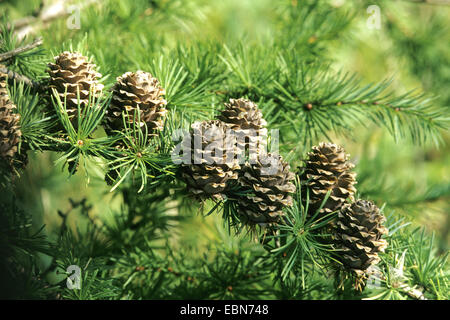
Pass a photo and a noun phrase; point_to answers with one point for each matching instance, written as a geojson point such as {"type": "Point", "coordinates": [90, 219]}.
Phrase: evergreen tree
{"type": "Point", "coordinates": [96, 96]}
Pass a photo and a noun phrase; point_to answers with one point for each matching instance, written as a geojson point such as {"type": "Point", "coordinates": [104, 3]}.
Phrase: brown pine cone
{"type": "Point", "coordinates": [268, 181]}
{"type": "Point", "coordinates": [328, 168]}
{"type": "Point", "coordinates": [10, 133]}
{"type": "Point", "coordinates": [72, 74]}
{"type": "Point", "coordinates": [210, 170]}
{"type": "Point", "coordinates": [246, 120]}
{"type": "Point", "coordinates": [135, 90]}
{"type": "Point", "coordinates": [357, 236]}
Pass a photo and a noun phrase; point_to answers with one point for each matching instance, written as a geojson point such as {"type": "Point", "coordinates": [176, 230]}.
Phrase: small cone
{"type": "Point", "coordinates": [135, 90]}
{"type": "Point", "coordinates": [357, 236]}
{"type": "Point", "coordinates": [211, 169]}
{"type": "Point", "coordinates": [328, 169]}
{"type": "Point", "coordinates": [71, 75]}
{"type": "Point", "coordinates": [10, 133]}
{"type": "Point", "coordinates": [269, 184]}
{"type": "Point", "coordinates": [245, 119]}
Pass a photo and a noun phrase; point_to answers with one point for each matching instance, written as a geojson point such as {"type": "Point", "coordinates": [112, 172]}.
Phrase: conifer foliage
{"type": "Point", "coordinates": [224, 149]}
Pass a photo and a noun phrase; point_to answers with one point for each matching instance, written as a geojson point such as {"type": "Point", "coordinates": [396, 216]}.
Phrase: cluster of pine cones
{"type": "Point", "coordinates": [327, 179]}
{"type": "Point", "coordinates": [138, 99]}
{"type": "Point", "coordinates": [265, 178]}
{"type": "Point", "coordinates": [358, 227]}
{"type": "Point", "coordinates": [213, 170]}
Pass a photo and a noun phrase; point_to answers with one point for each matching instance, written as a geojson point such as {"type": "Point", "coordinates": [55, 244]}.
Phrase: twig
{"type": "Point", "coordinates": [21, 22]}
{"type": "Point", "coordinates": [15, 52]}
{"type": "Point", "coordinates": [14, 76]}
{"type": "Point", "coordinates": [42, 19]}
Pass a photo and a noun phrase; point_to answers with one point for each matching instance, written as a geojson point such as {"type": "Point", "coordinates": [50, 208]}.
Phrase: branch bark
{"type": "Point", "coordinates": [14, 76]}
{"type": "Point", "coordinates": [47, 13]}
{"type": "Point", "coordinates": [15, 52]}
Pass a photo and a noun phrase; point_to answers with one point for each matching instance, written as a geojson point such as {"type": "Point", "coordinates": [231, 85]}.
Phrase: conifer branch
{"type": "Point", "coordinates": [337, 102]}
{"type": "Point", "coordinates": [130, 252]}
{"type": "Point", "coordinates": [8, 55]}
{"type": "Point", "coordinates": [17, 77]}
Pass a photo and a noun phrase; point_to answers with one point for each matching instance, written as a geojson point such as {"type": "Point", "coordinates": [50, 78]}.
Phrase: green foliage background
{"type": "Point", "coordinates": [282, 55]}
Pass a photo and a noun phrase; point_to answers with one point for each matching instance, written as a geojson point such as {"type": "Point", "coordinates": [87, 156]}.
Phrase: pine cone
{"type": "Point", "coordinates": [133, 90]}
{"type": "Point", "coordinates": [210, 171]}
{"type": "Point", "coordinates": [244, 117]}
{"type": "Point", "coordinates": [357, 236]}
{"type": "Point", "coordinates": [328, 169]}
{"type": "Point", "coordinates": [10, 132]}
{"type": "Point", "coordinates": [3, 86]}
{"type": "Point", "coordinates": [73, 72]}
{"type": "Point", "coordinates": [269, 182]}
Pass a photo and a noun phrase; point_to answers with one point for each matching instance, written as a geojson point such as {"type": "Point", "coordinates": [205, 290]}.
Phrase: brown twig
{"type": "Point", "coordinates": [42, 18]}
{"type": "Point", "coordinates": [15, 52]}
{"type": "Point", "coordinates": [21, 22]}
{"type": "Point", "coordinates": [14, 76]}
